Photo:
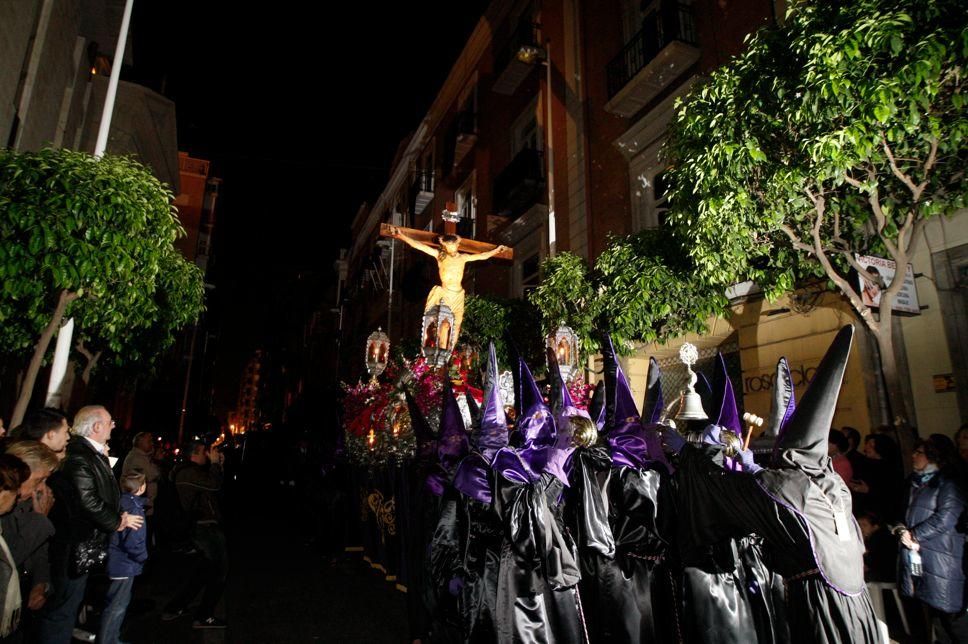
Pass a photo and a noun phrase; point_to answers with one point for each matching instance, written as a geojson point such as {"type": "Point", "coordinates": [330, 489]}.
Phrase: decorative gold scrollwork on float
{"type": "Point", "coordinates": [384, 511]}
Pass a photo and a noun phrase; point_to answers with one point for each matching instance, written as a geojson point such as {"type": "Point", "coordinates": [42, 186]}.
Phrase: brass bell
{"type": "Point", "coordinates": [690, 403]}
{"type": "Point", "coordinates": [690, 407]}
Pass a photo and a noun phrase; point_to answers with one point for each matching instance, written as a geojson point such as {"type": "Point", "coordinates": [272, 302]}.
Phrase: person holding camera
{"type": "Point", "coordinates": [198, 483]}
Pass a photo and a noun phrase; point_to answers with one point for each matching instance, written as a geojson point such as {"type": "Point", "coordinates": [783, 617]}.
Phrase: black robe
{"type": "Point", "coordinates": [826, 599]}
{"type": "Point", "coordinates": [538, 598]}
{"type": "Point", "coordinates": [604, 594]}
{"type": "Point", "coordinates": [641, 513]}
{"type": "Point", "coordinates": [466, 556]}
{"type": "Point", "coordinates": [764, 592]}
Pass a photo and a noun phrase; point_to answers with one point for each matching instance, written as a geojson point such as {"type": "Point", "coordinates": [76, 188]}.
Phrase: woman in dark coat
{"type": "Point", "coordinates": [935, 503]}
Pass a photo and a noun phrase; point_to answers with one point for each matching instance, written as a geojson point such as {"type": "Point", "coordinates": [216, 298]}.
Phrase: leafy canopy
{"type": "Point", "coordinates": [838, 133]}
{"type": "Point", "coordinates": [642, 288]}
{"type": "Point", "coordinates": [102, 229]}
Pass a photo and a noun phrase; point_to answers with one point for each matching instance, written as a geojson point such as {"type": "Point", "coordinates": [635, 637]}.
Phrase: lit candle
{"type": "Point", "coordinates": [371, 439]}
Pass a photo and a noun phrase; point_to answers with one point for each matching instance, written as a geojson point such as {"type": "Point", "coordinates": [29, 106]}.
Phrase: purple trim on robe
{"type": "Point", "coordinates": [813, 549]}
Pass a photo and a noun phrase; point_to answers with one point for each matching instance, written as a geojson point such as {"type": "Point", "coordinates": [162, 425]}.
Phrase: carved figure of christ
{"type": "Point", "coordinates": [450, 265]}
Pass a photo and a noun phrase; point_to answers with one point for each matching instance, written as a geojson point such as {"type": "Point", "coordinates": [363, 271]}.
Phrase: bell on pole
{"type": "Point", "coordinates": [690, 403]}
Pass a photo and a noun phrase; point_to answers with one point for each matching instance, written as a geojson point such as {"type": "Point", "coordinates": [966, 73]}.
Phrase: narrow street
{"type": "Point", "coordinates": [279, 590]}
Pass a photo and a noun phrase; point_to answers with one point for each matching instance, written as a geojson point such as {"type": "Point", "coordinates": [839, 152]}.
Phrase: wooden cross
{"type": "Point", "coordinates": [471, 246]}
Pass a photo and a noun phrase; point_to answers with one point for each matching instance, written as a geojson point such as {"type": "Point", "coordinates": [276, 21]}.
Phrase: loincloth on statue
{"type": "Point", "coordinates": [453, 299]}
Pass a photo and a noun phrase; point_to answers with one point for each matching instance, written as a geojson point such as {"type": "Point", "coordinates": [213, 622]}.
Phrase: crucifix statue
{"type": "Point", "coordinates": [452, 254]}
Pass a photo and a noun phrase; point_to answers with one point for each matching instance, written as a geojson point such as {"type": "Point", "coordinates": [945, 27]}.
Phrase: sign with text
{"type": "Point", "coordinates": [879, 274]}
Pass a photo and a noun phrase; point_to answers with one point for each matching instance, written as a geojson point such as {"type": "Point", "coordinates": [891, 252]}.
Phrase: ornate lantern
{"type": "Point", "coordinates": [505, 383]}
{"type": "Point", "coordinates": [399, 420]}
{"type": "Point", "coordinates": [564, 342]}
{"type": "Point", "coordinates": [377, 352]}
{"type": "Point", "coordinates": [436, 334]}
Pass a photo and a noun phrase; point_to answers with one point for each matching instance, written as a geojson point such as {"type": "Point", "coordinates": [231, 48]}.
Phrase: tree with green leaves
{"type": "Point", "coordinates": [499, 320]}
{"type": "Point", "coordinates": [91, 239]}
{"type": "Point", "coordinates": [838, 134]}
{"type": "Point", "coordinates": [642, 288]}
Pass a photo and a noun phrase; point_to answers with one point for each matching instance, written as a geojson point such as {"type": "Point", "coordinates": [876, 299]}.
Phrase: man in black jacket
{"type": "Point", "coordinates": [87, 511]}
{"type": "Point", "coordinates": [198, 483]}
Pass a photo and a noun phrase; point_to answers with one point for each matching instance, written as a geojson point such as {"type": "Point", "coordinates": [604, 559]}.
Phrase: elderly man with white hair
{"type": "Point", "coordinates": [87, 511]}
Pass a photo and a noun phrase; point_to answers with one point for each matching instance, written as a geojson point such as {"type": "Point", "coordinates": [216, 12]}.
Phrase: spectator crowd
{"type": "Point", "coordinates": [914, 526]}
{"type": "Point", "coordinates": [78, 526]}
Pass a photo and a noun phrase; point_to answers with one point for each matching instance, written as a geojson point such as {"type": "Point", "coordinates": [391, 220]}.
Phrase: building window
{"type": "Point", "coordinates": [525, 131]}
{"type": "Point", "coordinates": [467, 207]}
{"type": "Point", "coordinates": [530, 274]}
{"type": "Point", "coordinates": [650, 194]}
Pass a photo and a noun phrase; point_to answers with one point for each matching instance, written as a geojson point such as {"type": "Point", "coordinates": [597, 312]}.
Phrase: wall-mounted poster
{"type": "Point", "coordinates": [880, 273]}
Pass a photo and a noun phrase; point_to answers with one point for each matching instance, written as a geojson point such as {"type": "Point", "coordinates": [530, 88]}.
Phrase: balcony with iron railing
{"type": "Point", "coordinates": [521, 184]}
{"type": "Point", "coordinates": [460, 139]}
{"type": "Point", "coordinates": [515, 61]}
{"type": "Point", "coordinates": [664, 48]}
{"type": "Point", "coordinates": [421, 191]}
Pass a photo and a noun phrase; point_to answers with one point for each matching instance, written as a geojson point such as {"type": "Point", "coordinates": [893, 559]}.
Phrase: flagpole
{"type": "Point", "coordinates": [65, 334]}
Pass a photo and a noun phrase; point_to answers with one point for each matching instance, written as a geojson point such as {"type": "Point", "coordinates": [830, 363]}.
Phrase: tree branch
{"type": "Point", "coordinates": [795, 240]}
{"type": "Point", "coordinates": [831, 272]}
{"type": "Point", "coordinates": [83, 350]}
{"type": "Point", "coordinates": [916, 190]}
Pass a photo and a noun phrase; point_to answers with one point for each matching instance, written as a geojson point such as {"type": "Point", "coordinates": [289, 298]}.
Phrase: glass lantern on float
{"type": "Point", "coordinates": [468, 357]}
{"type": "Point", "coordinates": [564, 342]}
{"type": "Point", "coordinates": [436, 334]}
{"type": "Point", "coordinates": [377, 353]}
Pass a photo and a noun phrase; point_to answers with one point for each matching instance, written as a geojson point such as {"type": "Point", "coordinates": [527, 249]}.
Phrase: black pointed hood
{"type": "Point", "coordinates": [473, 409]}
{"type": "Point", "coordinates": [654, 403]}
{"type": "Point", "coordinates": [423, 435]}
{"type": "Point", "coordinates": [803, 442]}
{"type": "Point", "coordinates": [597, 407]}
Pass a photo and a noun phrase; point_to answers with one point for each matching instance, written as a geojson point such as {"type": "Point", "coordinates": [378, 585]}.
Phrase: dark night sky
{"type": "Point", "coordinates": [301, 112]}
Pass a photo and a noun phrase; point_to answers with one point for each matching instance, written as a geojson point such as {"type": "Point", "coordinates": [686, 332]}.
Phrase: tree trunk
{"type": "Point", "coordinates": [40, 350]}
{"type": "Point", "coordinates": [892, 382]}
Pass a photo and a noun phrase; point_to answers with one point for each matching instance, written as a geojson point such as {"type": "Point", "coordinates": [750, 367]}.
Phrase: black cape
{"type": "Point", "coordinates": [604, 595]}
{"type": "Point", "coordinates": [538, 598]}
{"type": "Point", "coordinates": [826, 600]}
{"type": "Point", "coordinates": [641, 513]}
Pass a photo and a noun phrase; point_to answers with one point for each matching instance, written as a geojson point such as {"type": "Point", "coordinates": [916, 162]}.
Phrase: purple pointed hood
{"type": "Point", "coordinates": [452, 445]}
{"type": "Point", "coordinates": [536, 426]}
{"type": "Point", "coordinates": [626, 438]}
{"type": "Point", "coordinates": [536, 423]}
{"type": "Point", "coordinates": [618, 394]}
{"type": "Point", "coordinates": [724, 400]}
{"type": "Point", "coordinates": [563, 405]}
{"type": "Point", "coordinates": [492, 433]}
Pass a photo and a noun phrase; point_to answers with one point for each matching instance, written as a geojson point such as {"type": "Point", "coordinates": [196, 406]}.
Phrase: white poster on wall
{"type": "Point", "coordinates": [879, 273]}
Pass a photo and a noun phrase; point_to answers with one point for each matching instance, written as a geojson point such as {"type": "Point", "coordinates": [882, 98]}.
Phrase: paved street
{"type": "Point", "coordinates": [279, 591]}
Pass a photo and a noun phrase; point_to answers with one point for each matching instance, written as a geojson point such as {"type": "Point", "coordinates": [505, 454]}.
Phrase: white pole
{"type": "Point", "coordinates": [65, 335]}
{"type": "Point", "coordinates": [552, 225]}
{"type": "Point", "coordinates": [105, 125]}
{"type": "Point", "coordinates": [58, 369]}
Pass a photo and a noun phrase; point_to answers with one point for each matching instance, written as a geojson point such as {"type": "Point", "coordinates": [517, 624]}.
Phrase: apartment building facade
{"type": "Point", "coordinates": [546, 135]}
